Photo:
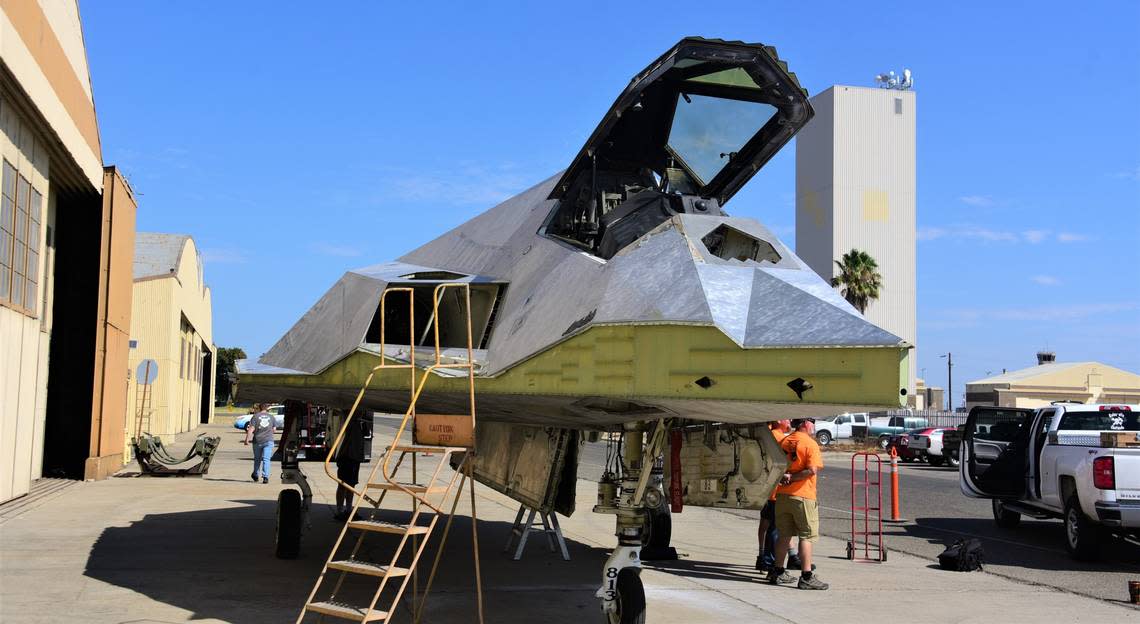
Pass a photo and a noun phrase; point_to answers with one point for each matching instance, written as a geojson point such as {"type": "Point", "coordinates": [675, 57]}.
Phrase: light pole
{"type": "Point", "coordinates": [949, 381]}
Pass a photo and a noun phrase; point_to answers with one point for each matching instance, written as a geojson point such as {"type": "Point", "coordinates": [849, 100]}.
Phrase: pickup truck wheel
{"type": "Point", "coordinates": [823, 437]}
{"type": "Point", "coordinates": [1005, 518]}
{"type": "Point", "coordinates": [953, 459]}
{"type": "Point", "coordinates": [1082, 536]}
{"type": "Point", "coordinates": [884, 442]}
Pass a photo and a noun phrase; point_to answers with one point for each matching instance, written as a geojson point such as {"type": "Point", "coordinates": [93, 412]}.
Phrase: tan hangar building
{"type": "Point", "coordinates": [171, 324]}
{"type": "Point", "coordinates": [1038, 386]}
{"type": "Point", "coordinates": [66, 244]}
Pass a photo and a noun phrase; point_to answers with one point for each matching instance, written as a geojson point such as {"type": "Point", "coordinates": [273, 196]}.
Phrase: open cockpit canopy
{"type": "Point", "coordinates": [683, 137]}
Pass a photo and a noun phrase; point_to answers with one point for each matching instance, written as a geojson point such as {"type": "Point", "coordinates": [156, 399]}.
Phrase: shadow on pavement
{"type": "Point", "coordinates": [710, 570]}
{"type": "Point", "coordinates": [1037, 544]}
{"type": "Point", "coordinates": [219, 563]}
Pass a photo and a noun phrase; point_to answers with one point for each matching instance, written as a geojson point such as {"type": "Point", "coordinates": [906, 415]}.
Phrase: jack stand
{"type": "Point", "coordinates": [521, 530]}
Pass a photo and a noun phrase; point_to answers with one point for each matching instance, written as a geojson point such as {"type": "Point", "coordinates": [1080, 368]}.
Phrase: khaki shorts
{"type": "Point", "coordinates": [797, 516]}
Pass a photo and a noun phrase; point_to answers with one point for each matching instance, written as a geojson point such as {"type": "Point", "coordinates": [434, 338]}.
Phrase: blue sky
{"type": "Point", "coordinates": [297, 140]}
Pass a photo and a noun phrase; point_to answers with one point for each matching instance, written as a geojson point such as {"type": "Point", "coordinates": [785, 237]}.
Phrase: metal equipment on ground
{"type": "Point", "coordinates": [438, 434]}
{"type": "Point", "coordinates": [521, 529]}
{"type": "Point", "coordinates": [866, 543]}
{"type": "Point", "coordinates": [155, 461]}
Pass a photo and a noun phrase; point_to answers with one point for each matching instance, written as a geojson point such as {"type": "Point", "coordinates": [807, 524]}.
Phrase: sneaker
{"type": "Point", "coordinates": [811, 583]}
{"type": "Point", "coordinates": [783, 578]}
{"type": "Point", "coordinates": [762, 565]}
{"type": "Point", "coordinates": [265, 479]}
{"type": "Point", "coordinates": [253, 475]}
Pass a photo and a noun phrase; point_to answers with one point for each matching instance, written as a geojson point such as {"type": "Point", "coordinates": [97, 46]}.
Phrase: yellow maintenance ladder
{"type": "Point", "coordinates": [428, 499]}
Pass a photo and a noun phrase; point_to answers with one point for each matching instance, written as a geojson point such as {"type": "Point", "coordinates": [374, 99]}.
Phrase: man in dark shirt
{"type": "Point", "coordinates": [348, 459]}
{"type": "Point", "coordinates": [261, 428]}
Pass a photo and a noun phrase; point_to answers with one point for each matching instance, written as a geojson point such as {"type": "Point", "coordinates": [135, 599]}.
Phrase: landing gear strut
{"type": "Point", "coordinates": [630, 496]}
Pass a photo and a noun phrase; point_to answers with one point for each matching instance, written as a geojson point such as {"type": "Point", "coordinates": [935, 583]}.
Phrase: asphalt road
{"type": "Point", "coordinates": [937, 513]}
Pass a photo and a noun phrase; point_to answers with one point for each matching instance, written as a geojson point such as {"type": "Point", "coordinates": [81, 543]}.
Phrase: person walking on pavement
{"type": "Point", "coordinates": [348, 459]}
{"type": "Point", "coordinates": [261, 429]}
{"type": "Point", "coordinates": [797, 506]}
{"type": "Point", "coordinates": [766, 533]}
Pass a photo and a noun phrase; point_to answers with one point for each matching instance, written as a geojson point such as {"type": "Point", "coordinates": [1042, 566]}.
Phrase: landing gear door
{"type": "Point", "coordinates": [729, 466]}
{"type": "Point", "coordinates": [994, 452]}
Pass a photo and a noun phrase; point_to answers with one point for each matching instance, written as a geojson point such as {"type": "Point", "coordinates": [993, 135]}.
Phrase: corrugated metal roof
{"type": "Point", "coordinates": [157, 254]}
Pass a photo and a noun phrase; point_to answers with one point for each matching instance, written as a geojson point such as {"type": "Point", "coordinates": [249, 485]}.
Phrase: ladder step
{"type": "Point", "coordinates": [430, 449]}
{"type": "Point", "coordinates": [387, 527]}
{"type": "Point", "coordinates": [366, 567]}
{"type": "Point", "coordinates": [348, 612]}
{"type": "Point", "coordinates": [415, 488]}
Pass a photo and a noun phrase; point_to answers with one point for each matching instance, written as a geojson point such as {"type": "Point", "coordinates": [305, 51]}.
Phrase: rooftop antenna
{"type": "Point", "coordinates": [891, 80]}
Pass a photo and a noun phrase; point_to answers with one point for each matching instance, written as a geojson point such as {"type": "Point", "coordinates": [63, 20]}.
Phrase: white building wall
{"type": "Point", "coordinates": [855, 188]}
{"type": "Point", "coordinates": [24, 337]}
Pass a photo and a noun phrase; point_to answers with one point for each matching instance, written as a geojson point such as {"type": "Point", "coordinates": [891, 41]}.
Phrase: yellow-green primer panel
{"type": "Point", "coordinates": [665, 361]}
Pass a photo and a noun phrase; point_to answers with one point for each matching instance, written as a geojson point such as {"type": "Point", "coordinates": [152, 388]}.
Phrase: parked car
{"type": "Point", "coordinates": [278, 412]}
{"type": "Point", "coordinates": [1080, 463]}
{"type": "Point", "coordinates": [929, 444]}
{"type": "Point", "coordinates": [951, 443]}
{"type": "Point", "coordinates": [841, 427]}
{"type": "Point", "coordinates": [903, 444]}
{"type": "Point", "coordinates": [883, 428]}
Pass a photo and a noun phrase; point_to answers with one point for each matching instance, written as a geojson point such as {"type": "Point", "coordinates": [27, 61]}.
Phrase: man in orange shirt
{"type": "Point", "coordinates": [797, 508]}
{"type": "Point", "coordinates": [766, 533]}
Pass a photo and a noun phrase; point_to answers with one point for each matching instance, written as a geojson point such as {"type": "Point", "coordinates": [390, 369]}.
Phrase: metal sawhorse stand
{"type": "Point", "coordinates": [521, 530]}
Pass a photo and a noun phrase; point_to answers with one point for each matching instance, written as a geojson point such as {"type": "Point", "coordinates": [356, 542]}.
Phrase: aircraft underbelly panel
{"type": "Point", "coordinates": [527, 463]}
{"type": "Point", "coordinates": [728, 467]}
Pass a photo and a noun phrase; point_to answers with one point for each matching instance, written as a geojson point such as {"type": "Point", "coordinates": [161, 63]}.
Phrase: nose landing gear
{"type": "Point", "coordinates": [636, 505]}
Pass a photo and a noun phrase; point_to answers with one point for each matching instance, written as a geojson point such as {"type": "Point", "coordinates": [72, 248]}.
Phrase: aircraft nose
{"type": "Point", "coordinates": [737, 275]}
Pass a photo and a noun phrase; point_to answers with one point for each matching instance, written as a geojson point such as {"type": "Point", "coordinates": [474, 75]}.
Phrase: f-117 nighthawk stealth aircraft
{"type": "Point", "coordinates": [617, 296]}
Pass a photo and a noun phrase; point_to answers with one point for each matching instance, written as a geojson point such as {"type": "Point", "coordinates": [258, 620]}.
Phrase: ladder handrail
{"type": "Point", "coordinates": [416, 388]}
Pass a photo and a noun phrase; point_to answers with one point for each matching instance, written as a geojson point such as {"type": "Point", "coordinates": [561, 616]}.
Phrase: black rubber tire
{"type": "Point", "coordinates": [630, 598]}
{"type": "Point", "coordinates": [288, 536]}
{"type": "Point", "coordinates": [934, 460]}
{"type": "Point", "coordinates": [658, 529]}
{"type": "Point", "coordinates": [953, 459]}
{"type": "Point", "coordinates": [823, 438]}
{"type": "Point", "coordinates": [1004, 518]}
{"type": "Point", "coordinates": [1082, 535]}
{"type": "Point", "coordinates": [884, 442]}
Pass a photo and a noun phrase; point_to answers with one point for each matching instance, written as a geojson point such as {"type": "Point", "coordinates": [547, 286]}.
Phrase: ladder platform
{"type": "Point", "coordinates": [419, 448]}
{"type": "Point", "coordinates": [414, 488]}
{"type": "Point", "coordinates": [347, 612]}
{"type": "Point", "coordinates": [357, 566]}
{"type": "Point", "coordinates": [388, 527]}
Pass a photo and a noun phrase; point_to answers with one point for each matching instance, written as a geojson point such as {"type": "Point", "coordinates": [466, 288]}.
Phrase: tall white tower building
{"type": "Point", "coordinates": [855, 189]}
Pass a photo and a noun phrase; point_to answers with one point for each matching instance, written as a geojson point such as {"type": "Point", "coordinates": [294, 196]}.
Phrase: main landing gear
{"type": "Point", "coordinates": [629, 491]}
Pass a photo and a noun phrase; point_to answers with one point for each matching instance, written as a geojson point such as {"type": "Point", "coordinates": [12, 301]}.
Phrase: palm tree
{"type": "Point", "coordinates": [860, 278]}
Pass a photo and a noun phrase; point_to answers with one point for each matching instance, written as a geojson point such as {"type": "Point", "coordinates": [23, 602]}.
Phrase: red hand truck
{"type": "Point", "coordinates": [871, 549]}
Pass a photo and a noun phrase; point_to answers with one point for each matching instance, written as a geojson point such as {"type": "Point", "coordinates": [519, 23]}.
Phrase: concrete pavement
{"type": "Point", "coordinates": [179, 550]}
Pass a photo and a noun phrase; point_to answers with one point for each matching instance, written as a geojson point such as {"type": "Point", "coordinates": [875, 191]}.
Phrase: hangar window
{"type": "Point", "coordinates": [485, 300]}
{"type": "Point", "coordinates": [731, 244]}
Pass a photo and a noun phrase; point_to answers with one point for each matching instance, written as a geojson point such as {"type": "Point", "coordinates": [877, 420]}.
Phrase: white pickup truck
{"type": "Point", "coordinates": [842, 427]}
{"type": "Point", "coordinates": [1054, 462]}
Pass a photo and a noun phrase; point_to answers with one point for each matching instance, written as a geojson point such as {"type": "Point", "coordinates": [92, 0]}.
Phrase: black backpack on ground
{"type": "Point", "coordinates": [965, 555]}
